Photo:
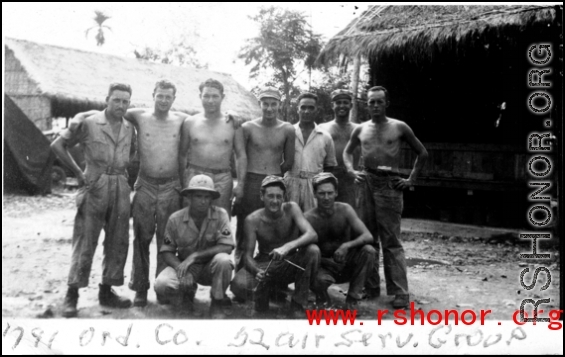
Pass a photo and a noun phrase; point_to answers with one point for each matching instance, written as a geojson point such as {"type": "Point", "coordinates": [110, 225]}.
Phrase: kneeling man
{"type": "Point", "coordinates": [286, 240]}
{"type": "Point", "coordinates": [344, 243]}
{"type": "Point", "coordinates": [197, 247]}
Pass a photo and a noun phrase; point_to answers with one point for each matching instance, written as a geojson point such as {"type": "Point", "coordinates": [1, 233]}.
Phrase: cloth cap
{"type": "Point", "coordinates": [269, 92]}
{"type": "Point", "coordinates": [341, 92]}
{"type": "Point", "coordinates": [201, 183]}
{"type": "Point", "coordinates": [272, 179]}
{"type": "Point", "coordinates": [323, 176]}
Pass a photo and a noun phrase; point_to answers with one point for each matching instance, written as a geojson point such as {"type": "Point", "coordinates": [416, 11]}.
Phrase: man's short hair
{"type": "Point", "coordinates": [119, 86]}
{"type": "Point", "coordinates": [324, 177]}
{"type": "Point", "coordinates": [165, 84]}
{"type": "Point", "coordinates": [307, 95]}
{"type": "Point", "coordinates": [212, 83]}
{"type": "Point", "coordinates": [379, 88]}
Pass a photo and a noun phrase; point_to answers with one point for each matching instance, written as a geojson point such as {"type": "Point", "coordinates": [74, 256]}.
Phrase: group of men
{"type": "Point", "coordinates": [290, 229]}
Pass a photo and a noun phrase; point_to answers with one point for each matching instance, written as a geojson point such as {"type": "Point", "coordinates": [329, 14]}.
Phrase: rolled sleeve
{"type": "Point", "coordinates": [170, 242]}
{"type": "Point", "coordinates": [224, 235]}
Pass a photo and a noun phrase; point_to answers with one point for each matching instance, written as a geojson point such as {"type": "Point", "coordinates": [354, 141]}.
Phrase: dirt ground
{"type": "Point", "coordinates": [451, 266]}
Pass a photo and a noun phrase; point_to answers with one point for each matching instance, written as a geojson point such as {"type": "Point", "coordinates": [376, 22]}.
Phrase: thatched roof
{"type": "Point", "coordinates": [77, 80]}
{"type": "Point", "coordinates": [416, 31]}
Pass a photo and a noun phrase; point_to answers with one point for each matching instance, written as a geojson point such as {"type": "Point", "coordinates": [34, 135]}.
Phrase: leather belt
{"type": "Point", "coordinates": [378, 172]}
{"type": "Point", "coordinates": [206, 169]}
{"type": "Point", "coordinates": [158, 180]}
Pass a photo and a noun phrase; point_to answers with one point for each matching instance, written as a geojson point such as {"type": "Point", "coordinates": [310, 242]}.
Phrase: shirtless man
{"type": "Point", "coordinates": [208, 140]}
{"type": "Point", "coordinates": [158, 185]}
{"type": "Point", "coordinates": [344, 256]}
{"type": "Point", "coordinates": [283, 234]}
{"type": "Point", "coordinates": [269, 144]}
{"type": "Point", "coordinates": [340, 129]}
{"type": "Point", "coordinates": [380, 141]}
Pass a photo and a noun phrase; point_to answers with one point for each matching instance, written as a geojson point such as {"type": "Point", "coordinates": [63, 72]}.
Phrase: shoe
{"type": "Point", "coordinates": [187, 303]}
{"type": "Point", "coordinates": [216, 309]}
{"type": "Point", "coordinates": [372, 293]}
{"type": "Point", "coordinates": [323, 300]}
{"type": "Point", "coordinates": [70, 304]}
{"type": "Point", "coordinates": [140, 299]}
{"type": "Point", "coordinates": [276, 295]}
{"type": "Point", "coordinates": [227, 307]}
{"type": "Point", "coordinates": [351, 303]}
{"type": "Point", "coordinates": [401, 301]}
{"type": "Point", "coordinates": [108, 297]}
{"type": "Point", "coordinates": [296, 310]}
{"type": "Point", "coordinates": [161, 300]}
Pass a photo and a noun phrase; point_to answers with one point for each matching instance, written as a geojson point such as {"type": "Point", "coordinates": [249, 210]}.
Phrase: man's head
{"type": "Point", "coordinates": [211, 94]}
{"type": "Point", "coordinates": [269, 100]}
{"type": "Point", "coordinates": [118, 99]}
{"type": "Point", "coordinates": [377, 101]}
{"type": "Point", "coordinates": [164, 95]}
{"type": "Point", "coordinates": [307, 107]}
{"type": "Point", "coordinates": [200, 193]}
{"type": "Point", "coordinates": [325, 189]}
{"type": "Point", "coordinates": [341, 102]}
{"type": "Point", "coordinates": [273, 191]}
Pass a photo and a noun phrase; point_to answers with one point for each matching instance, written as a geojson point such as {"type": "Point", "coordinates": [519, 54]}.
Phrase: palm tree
{"type": "Point", "coordinates": [99, 19]}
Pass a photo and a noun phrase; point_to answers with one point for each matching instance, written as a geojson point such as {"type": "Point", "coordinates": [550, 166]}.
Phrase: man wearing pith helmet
{"type": "Point", "coordinates": [197, 247]}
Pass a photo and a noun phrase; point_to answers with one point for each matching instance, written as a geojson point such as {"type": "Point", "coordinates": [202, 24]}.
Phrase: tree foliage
{"type": "Point", "coordinates": [285, 44]}
{"type": "Point", "coordinates": [179, 53]}
{"type": "Point", "coordinates": [99, 18]}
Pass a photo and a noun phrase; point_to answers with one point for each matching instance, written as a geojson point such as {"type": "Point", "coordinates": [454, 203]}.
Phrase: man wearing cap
{"type": "Point", "coordinates": [340, 129]}
{"type": "Point", "coordinates": [314, 152]}
{"type": "Point", "coordinates": [208, 141]}
{"type": "Point", "coordinates": [197, 247]}
{"type": "Point", "coordinates": [269, 145]}
{"type": "Point", "coordinates": [287, 251]}
{"type": "Point", "coordinates": [344, 256]}
{"type": "Point", "coordinates": [103, 199]}
{"type": "Point", "coordinates": [380, 140]}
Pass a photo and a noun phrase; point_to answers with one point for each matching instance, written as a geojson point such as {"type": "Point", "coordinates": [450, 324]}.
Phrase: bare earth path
{"type": "Point", "coordinates": [450, 267]}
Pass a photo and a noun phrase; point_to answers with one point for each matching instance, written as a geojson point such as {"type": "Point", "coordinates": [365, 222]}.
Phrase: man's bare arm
{"type": "Point", "coordinates": [364, 235]}
{"type": "Point", "coordinates": [348, 155]}
{"type": "Point", "coordinates": [309, 235]}
{"type": "Point", "coordinates": [60, 148]}
{"type": "Point", "coordinates": [184, 147]}
{"type": "Point", "coordinates": [422, 156]}
{"type": "Point", "coordinates": [289, 143]}
{"type": "Point", "coordinates": [241, 162]}
{"type": "Point", "coordinates": [250, 239]}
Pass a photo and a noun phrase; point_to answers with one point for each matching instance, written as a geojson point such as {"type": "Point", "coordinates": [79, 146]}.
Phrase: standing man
{"type": "Point", "coordinates": [314, 152]}
{"type": "Point", "coordinates": [340, 129]}
{"type": "Point", "coordinates": [345, 258]}
{"type": "Point", "coordinates": [158, 185]}
{"type": "Point", "coordinates": [380, 140]}
{"type": "Point", "coordinates": [208, 141]}
{"type": "Point", "coordinates": [103, 199]}
{"type": "Point", "coordinates": [197, 248]}
{"type": "Point", "coordinates": [283, 235]}
{"type": "Point", "coordinates": [269, 145]}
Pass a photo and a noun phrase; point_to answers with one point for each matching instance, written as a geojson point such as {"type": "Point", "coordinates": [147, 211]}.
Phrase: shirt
{"type": "Point", "coordinates": [317, 152]}
{"type": "Point", "coordinates": [183, 237]}
{"type": "Point", "coordinates": [102, 153]}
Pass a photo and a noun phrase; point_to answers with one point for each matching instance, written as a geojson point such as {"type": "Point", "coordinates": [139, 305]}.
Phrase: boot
{"type": "Point", "coordinates": [296, 311]}
{"type": "Point", "coordinates": [140, 299]}
{"type": "Point", "coordinates": [401, 301]}
{"type": "Point", "coordinates": [351, 303]}
{"type": "Point", "coordinates": [216, 309]}
{"type": "Point", "coordinates": [107, 297]}
{"type": "Point", "coordinates": [70, 304]}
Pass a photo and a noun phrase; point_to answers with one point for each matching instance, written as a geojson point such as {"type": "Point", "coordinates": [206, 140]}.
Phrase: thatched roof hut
{"type": "Point", "coordinates": [420, 32]}
{"type": "Point", "coordinates": [49, 81]}
{"type": "Point", "coordinates": [448, 69]}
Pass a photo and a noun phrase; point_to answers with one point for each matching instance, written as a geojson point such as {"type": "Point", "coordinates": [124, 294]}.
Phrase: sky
{"type": "Point", "coordinates": [221, 28]}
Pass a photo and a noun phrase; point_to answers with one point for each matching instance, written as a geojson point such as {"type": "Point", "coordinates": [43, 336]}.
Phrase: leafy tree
{"type": "Point", "coordinates": [285, 44]}
{"type": "Point", "coordinates": [100, 18]}
{"type": "Point", "coordinates": [179, 53]}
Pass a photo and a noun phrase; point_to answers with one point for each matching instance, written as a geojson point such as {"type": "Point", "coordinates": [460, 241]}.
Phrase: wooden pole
{"type": "Point", "coordinates": [353, 117]}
